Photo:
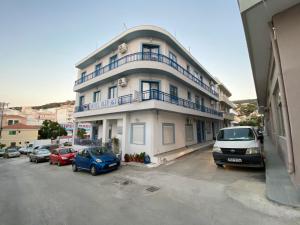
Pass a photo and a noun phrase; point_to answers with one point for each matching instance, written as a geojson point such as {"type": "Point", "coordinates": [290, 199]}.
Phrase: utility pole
{"type": "Point", "coordinates": [2, 108]}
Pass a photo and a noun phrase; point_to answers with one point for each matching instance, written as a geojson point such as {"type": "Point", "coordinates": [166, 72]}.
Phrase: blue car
{"type": "Point", "coordinates": [96, 160]}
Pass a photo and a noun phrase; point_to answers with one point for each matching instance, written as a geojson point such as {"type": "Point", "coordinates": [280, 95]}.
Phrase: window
{"type": "Point", "coordinates": [150, 51]}
{"type": "Point", "coordinates": [188, 68]}
{"type": "Point", "coordinates": [112, 92]}
{"type": "Point", "coordinates": [97, 69]}
{"type": "Point", "coordinates": [113, 63]}
{"type": "Point", "coordinates": [10, 122]}
{"type": "Point", "coordinates": [97, 96]}
{"type": "Point", "coordinates": [12, 132]}
{"type": "Point", "coordinates": [189, 96]}
{"type": "Point", "coordinates": [150, 90]}
{"type": "Point", "coordinates": [197, 101]}
{"type": "Point", "coordinates": [138, 133]}
{"type": "Point", "coordinates": [173, 59]}
{"type": "Point", "coordinates": [81, 100]}
{"type": "Point", "coordinates": [83, 76]}
{"type": "Point", "coordinates": [168, 133]}
{"type": "Point", "coordinates": [173, 93]}
{"type": "Point", "coordinates": [189, 132]}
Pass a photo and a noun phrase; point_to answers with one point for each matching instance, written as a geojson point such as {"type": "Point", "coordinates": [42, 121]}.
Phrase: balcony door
{"type": "Point", "coordinates": [150, 52]}
{"type": "Point", "coordinates": [150, 90]}
{"type": "Point", "coordinates": [173, 93]}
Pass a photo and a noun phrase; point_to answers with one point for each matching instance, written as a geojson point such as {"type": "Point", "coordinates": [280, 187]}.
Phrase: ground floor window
{"type": "Point", "coordinates": [12, 132]}
{"type": "Point", "coordinates": [138, 133]}
{"type": "Point", "coordinates": [189, 132]}
{"type": "Point", "coordinates": [168, 133]}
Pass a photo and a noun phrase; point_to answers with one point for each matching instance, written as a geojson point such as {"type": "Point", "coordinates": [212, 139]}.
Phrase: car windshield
{"type": "Point", "coordinates": [236, 134]}
{"type": "Point", "coordinates": [43, 151]}
{"type": "Point", "coordinates": [99, 150]}
{"type": "Point", "coordinates": [12, 150]}
{"type": "Point", "coordinates": [66, 151]}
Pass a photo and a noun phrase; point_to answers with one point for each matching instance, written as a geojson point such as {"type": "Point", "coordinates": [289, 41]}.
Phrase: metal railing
{"type": "Point", "coordinates": [165, 97]}
{"type": "Point", "coordinates": [146, 56]}
{"type": "Point", "coordinates": [125, 99]}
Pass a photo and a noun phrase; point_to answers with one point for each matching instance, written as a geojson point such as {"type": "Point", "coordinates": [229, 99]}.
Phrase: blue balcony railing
{"type": "Point", "coordinates": [156, 95]}
{"type": "Point", "coordinates": [165, 97]}
{"type": "Point", "coordinates": [146, 56]}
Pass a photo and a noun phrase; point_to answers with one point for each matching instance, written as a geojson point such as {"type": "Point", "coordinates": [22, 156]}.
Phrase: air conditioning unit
{"type": "Point", "coordinates": [123, 48]}
{"type": "Point", "coordinates": [122, 82]}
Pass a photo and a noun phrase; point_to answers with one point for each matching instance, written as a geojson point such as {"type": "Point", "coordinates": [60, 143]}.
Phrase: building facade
{"type": "Point", "coordinates": [145, 89]}
{"type": "Point", "coordinates": [273, 32]}
{"type": "Point", "coordinates": [225, 105]}
{"type": "Point", "coordinates": [19, 134]}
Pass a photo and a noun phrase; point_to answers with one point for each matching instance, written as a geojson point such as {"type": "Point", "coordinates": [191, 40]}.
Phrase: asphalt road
{"type": "Point", "coordinates": [192, 190]}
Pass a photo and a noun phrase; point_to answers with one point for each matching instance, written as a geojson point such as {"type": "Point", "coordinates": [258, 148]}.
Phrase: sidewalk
{"type": "Point", "coordinates": [279, 187]}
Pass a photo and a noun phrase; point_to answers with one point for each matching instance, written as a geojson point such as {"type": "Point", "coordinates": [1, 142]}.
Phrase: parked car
{"type": "Point", "coordinates": [11, 152]}
{"type": "Point", "coordinates": [50, 147]}
{"type": "Point", "coordinates": [2, 150]}
{"type": "Point", "coordinates": [39, 155]}
{"type": "Point", "coordinates": [95, 160]}
{"type": "Point", "coordinates": [23, 150]}
{"type": "Point", "coordinates": [238, 146]}
{"type": "Point", "coordinates": [62, 156]}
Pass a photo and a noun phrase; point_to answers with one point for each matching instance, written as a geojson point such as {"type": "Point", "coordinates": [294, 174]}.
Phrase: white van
{"type": "Point", "coordinates": [238, 146]}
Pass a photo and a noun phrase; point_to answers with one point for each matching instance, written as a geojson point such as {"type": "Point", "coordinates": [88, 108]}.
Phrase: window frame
{"type": "Point", "coordinates": [109, 92]}
{"type": "Point", "coordinates": [94, 96]}
{"type": "Point", "coordinates": [163, 135]}
{"type": "Point", "coordinates": [12, 132]}
{"type": "Point", "coordinates": [131, 133]}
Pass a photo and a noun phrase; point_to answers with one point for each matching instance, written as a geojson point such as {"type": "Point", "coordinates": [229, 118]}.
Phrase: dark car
{"type": "Point", "coordinates": [40, 155]}
{"type": "Point", "coordinates": [96, 160]}
{"type": "Point", "coordinates": [2, 150]}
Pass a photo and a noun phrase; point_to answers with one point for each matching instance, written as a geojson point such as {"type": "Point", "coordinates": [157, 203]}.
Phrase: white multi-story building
{"type": "Point", "coordinates": [144, 88]}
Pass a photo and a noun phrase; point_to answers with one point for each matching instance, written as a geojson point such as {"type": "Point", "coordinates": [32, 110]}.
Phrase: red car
{"type": "Point", "coordinates": [62, 156]}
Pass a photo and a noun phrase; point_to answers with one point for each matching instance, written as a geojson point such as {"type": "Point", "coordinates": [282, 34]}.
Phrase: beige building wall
{"type": "Point", "coordinates": [21, 138]}
{"type": "Point", "coordinates": [287, 25]}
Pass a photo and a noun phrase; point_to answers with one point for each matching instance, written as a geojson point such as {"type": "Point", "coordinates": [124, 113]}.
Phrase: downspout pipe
{"type": "Point", "coordinates": [285, 115]}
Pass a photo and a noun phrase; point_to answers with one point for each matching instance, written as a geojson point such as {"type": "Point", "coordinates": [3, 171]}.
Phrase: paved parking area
{"type": "Point", "coordinates": [190, 190]}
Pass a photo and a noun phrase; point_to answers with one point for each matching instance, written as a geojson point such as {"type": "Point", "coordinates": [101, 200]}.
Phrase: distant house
{"type": "Point", "coordinates": [19, 134]}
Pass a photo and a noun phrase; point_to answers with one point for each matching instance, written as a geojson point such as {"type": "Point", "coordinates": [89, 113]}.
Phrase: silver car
{"type": "Point", "coordinates": [11, 152]}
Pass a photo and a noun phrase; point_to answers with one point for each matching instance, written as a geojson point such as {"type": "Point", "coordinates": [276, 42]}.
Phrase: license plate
{"type": "Point", "coordinates": [113, 164]}
{"type": "Point", "coordinates": [234, 160]}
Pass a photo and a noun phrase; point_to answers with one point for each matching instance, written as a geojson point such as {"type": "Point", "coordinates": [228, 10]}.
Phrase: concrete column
{"type": "Point", "coordinates": [75, 129]}
{"type": "Point", "coordinates": [104, 131]}
{"type": "Point", "coordinates": [125, 135]}
{"type": "Point", "coordinates": [92, 131]}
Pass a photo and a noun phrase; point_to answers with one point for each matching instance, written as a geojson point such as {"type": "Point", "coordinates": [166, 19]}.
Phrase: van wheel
{"type": "Point", "coordinates": [219, 165]}
{"type": "Point", "coordinates": [93, 171]}
{"type": "Point", "coordinates": [74, 167]}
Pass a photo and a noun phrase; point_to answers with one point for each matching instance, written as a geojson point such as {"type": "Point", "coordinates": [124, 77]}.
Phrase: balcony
{"type": "Point", "coordinates": [225, 99]}
{"type": "Point", "coordinates": [146, 56]}
{"type": "Point", "coordinates": [145, 96]}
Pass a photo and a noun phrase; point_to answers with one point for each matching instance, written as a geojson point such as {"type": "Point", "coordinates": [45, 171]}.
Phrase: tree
{"type": "Point", "coordinates": [255, 121]}
{"type": "Point", "coordinates": [247, 109]}
{"type": "Point", "coordinates": [51, 130]}
{"type": "Point", "coordinates": [81, 133]}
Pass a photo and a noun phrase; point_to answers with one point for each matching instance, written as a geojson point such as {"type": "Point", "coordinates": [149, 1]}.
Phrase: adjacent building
{"type": "Point", "coordinates": [225, 105]}
{"type": "Point", "coordinates": [18, 134]}
{"type": "Point", "coordinates": [272, 31]}
{"type": "Point", "coordinates": [145, 89]}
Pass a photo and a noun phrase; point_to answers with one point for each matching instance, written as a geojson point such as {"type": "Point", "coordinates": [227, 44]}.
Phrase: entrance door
{"type": "Point", "coordinates": [213, 130]}
{"type": "Point", "coordinates": [150, 90]}
{"type": "Point", "coordinates": [199, 131]}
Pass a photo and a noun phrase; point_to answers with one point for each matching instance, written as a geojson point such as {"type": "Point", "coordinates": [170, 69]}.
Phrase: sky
{"type": "Point", "coordinates": [41, 41]}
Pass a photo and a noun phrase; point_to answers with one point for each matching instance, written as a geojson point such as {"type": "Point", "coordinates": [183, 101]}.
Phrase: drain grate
{"type": "Point", "coordinates": [152, 189]}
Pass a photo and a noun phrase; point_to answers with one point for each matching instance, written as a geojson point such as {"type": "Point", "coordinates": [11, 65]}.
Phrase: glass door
{"type": "Point", "coordinates": [150, 52]}
{"type": "Point", "coordinates": [150, 90]}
